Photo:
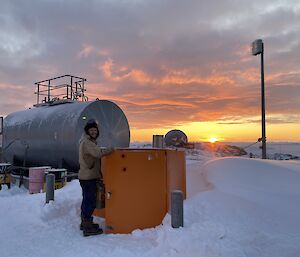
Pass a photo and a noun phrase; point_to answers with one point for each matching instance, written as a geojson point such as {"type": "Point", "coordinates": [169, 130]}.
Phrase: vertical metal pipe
{"type": "Point", "coordinates": [48, 90]}
{"type": "Point", "coordinates": [76, 88]}
{"type": "Point", "coordinates": [71, 94]}
{"type": "Point", "coordinates": [177, 209]}
{"type": "Point", "coordinates": [1, 141]}
{"type": "Point", "coordinates": [71, 88]}
{"type": "Point", "coordinates": [263, 108]}
{"type": "Point", "coordinates": [82, 89]}
{"type": "Point", "coordinates": [158, 141]}
{"type": "Point", "coordinates": [50, 186]}
{"type": "Point", "coordinates": [38, 94]}
{"type": "Point", "coordinates": [1, 125]}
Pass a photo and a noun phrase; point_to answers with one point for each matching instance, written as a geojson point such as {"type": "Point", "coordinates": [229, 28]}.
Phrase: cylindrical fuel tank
{"type": "Point", "coordinates": [50, 134]}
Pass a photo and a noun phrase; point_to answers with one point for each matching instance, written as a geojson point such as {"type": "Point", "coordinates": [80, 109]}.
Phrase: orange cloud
{"type": "Point", "coordinates": [114, 72]}
{"type": "Point", "coordinates": [214, 80]}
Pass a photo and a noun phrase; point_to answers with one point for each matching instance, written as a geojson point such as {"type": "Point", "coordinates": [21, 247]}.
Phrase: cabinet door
{"type": "Point", "coordinates": [135, 184]}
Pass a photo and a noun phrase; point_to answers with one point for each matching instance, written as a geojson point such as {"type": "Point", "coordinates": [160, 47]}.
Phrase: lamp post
{"type": "Point", "coordinates": [258, 48]}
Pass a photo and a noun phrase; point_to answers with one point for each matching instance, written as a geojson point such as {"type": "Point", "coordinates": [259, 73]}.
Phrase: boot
{"type": "Point", "coordinates": [94, 224]}
{"type": "Point", "coordinates": [89, 229]}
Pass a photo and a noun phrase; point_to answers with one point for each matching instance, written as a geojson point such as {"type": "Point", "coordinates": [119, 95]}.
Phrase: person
{"type": "Point", "coordinates": [89, 174]}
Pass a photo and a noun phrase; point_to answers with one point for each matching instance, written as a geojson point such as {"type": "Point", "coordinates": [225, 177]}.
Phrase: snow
{"type": "Point", "coordinates": [236, 207]}
{"type": "Point", "coordinates": [273, 148]}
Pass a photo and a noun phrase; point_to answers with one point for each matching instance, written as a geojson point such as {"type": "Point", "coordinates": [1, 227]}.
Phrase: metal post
{"type": "Point", "coordinates": [258, 48]}
{"type": "Point", "coordinates": [38, 94]}
{"type": "Point", "coordinates": [50, 186]}
{"type": "Point", "coordinates": [49, 90]}
{"type": "Point", "coordinates": [72, 93]}
{"type": "Point", "coordinates": [82, 89]}
{"type": "Point", "coordinates": [1, 125]}
{"type": "Point", "coordinates": [177, 209]}
{"type": "Point", "coordinates": [76, 86]}
{"type": "Point", "coordinates": [71, 88]}
{"type": "Point", "coordinates": [263, 108]}
{"type": "Point", "coordinates": [1, 134]}
{"type": "Point", "coordinates": [158, 141]}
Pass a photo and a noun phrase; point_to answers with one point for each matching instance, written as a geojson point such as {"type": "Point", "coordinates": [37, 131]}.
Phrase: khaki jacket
{"type": "Point", "coordinates": [89, 158]}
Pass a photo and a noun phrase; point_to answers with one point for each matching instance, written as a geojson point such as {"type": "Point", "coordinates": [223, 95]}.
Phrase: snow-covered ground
{"type": "Point", "coordinates": [272, 148]}
{"type": "Point", "coordinates": [236, 207]}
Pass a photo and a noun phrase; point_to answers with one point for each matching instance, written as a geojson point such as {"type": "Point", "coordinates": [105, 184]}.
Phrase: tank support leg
{"type": "Point", "coordinates": [50, 186]}
{"type": "Point", "coordinates": [177, 209]}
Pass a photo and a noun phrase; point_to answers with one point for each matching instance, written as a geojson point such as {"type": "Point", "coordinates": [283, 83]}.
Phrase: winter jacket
{"type": "Point", "coordinates": [89, 158]}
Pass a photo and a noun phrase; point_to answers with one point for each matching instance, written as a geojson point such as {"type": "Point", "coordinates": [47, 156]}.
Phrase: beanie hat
{"type": "Point", "coordinates": [91, 124]}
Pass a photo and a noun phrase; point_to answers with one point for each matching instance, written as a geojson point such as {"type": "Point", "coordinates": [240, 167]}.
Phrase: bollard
{"type": "Point", "coordinates": [158, 141]}
{"type": "Point", "coordinates": [50, 183]}
{"type": "Point", "coordinates": [177, 209]}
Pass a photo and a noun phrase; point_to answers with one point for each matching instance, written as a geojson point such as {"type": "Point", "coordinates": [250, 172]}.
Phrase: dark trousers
{"type": "Point", "coordinates": [89, 194]}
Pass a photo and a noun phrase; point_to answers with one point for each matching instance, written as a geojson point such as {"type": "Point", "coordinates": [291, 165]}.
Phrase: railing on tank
{"type": "Point", "coordinates": [1, 125]}
{"type": "Point", "coordinates": [1, 138]}
{"type": "Point", "coordinates": [62, 88]}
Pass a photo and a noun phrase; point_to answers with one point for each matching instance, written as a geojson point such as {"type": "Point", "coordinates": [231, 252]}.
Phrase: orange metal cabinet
{"type": "Point", "coordinates": [138, 184]}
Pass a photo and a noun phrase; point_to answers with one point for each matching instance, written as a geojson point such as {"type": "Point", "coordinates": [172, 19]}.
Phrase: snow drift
{"type": "Point", "coordinates": [235, 207]}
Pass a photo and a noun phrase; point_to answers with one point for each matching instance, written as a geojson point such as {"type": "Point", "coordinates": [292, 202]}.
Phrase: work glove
{"type": "Point", "coordinates": [108, 150]}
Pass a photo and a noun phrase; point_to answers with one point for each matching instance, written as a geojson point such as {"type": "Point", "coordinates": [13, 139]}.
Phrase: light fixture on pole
{"type": "Point", "coordinates": [258, 48]}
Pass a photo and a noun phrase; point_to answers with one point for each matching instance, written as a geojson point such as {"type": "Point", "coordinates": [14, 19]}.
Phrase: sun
{"type": "Point", "coordinates": [212, 140]}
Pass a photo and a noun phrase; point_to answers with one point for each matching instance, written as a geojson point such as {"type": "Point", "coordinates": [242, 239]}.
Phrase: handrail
{"type": "Point", "coordinates": [59, 77]}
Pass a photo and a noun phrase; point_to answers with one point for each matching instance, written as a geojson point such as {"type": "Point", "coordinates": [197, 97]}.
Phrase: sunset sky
{"type": "Point", "coordinates": [167, 63]}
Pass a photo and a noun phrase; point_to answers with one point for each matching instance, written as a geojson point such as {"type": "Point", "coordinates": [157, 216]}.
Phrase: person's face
{"type": "Point", "coordinates": [93, 132]}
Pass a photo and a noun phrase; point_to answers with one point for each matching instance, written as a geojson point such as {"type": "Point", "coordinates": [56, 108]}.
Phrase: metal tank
{"type": "Point", "coordinates": [176, 138]}
{"type": "Point", "coordinates": [49, 134]}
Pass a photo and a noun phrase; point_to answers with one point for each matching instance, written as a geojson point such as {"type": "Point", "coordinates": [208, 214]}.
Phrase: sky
{"type": "Point", "coordinates": [169, 64]}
